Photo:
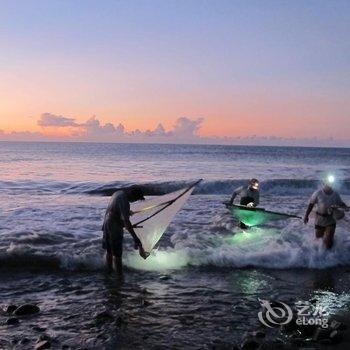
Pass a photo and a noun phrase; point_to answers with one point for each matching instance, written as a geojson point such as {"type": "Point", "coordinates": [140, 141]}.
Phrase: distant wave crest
{"type": "Point", "coordinates": [225, 186]}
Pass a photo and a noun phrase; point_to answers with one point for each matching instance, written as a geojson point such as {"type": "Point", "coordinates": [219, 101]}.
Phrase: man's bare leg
{"type": "Point", "coordinates": [118, 265]}
{"type": "Point", "coordinates": [109, 261]}
{"type": "Point", "coordinates": [328, 238]}
{"type": "Point", "coordinates": [319, 232]}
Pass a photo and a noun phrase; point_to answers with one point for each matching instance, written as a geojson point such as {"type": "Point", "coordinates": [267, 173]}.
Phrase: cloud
{"type": "Point", "coordinates": [185, 130]}
{"type": "Point", "coordinates": [186, 127]}
{"type": "Point", "coordinates": [93, 127]}
{"type": "Point", "coordinates": [51, 120]}
{"type": "Point", "coordinates": [159, 131]}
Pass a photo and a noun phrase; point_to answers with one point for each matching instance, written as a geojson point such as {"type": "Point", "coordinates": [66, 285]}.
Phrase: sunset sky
{"type": "Point", "coordinates": [215, 70]}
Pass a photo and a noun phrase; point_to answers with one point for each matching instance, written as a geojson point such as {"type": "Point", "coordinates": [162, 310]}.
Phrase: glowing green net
{"type": "Point", "coordinates": [256, 216]}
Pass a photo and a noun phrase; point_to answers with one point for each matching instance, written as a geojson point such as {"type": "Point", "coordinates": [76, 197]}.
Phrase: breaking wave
{"type": "Point", "coordinates": [43, 233]}
{"type": "Point", "coordinates": [293, 246]}
{"type": "Point", "coordinates": [276, 186]}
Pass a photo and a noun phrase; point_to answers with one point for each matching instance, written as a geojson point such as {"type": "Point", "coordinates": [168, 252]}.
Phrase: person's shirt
{"type": "Point", "coordinates": [118, 209]}
{"type": "Point", "coordinates": [325, 201]}
{"type": "Point", "coordinates": [246, 192]}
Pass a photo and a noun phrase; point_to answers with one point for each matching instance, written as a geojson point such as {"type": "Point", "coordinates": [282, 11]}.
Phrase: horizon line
{"type": "Point", "coordinates": [172, 144]}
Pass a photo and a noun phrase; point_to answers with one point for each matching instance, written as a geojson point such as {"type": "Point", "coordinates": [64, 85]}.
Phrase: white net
{"type": "Point", "coordinates": [157, 213]}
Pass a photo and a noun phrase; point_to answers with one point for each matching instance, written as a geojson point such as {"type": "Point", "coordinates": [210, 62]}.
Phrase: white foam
{"type": "Point", "coordinates": [292, 247]}
{"type": "Point", "coordinates": [67, 235]}
{"type": "Point", "coordinates": [159, 260]}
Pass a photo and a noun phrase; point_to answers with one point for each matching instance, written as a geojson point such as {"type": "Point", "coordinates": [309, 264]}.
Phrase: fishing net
{"type": "Point", "coordinates": [256, 216]}
{"type": "Point", "coordinates": [153, 216]}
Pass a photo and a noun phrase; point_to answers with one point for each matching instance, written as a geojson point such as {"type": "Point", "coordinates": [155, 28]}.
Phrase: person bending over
{"type": "Point", "coordinates": [249, 196]}
{"type": "Point", "coordinates": [117, 217]}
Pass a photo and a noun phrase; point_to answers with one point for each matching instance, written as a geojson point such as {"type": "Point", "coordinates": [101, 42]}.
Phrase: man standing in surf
{"type": "Point", "coordinates": [250, 196]}
{"type": "Point", "coordinates": [117, 218]}
{"type": "Point", "coordinates": [326, 200]}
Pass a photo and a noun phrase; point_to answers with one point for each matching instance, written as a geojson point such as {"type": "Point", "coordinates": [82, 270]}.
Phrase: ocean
{"type": "Point", "coordinates": [203, 283]}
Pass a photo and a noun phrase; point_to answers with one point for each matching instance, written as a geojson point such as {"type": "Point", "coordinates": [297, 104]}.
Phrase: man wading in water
{"type": "Point", "coordinates": [249, 196]}
{"type": "Point", "coordinates": [326, 200]}
{"type": "Point", "coordinates": [117, 218]}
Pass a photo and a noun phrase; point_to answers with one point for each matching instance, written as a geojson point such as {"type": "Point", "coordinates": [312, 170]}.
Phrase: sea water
{"type": "Point", "coordinates": [205, 277]}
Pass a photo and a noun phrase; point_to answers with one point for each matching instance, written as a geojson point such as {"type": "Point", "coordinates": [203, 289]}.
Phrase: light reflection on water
{"type": "Point", "coordinates": [330, 301]}
{"type": "Point", "coordinates": [159, 260]}
{"type": "Point", "coordinates": [183, 308]}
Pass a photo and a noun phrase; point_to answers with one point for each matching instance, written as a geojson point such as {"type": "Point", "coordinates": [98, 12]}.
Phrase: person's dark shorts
{"type": "Point", "coordinates": [113, 238]}
{"type": "Point", "coordinates": [318, 227]}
